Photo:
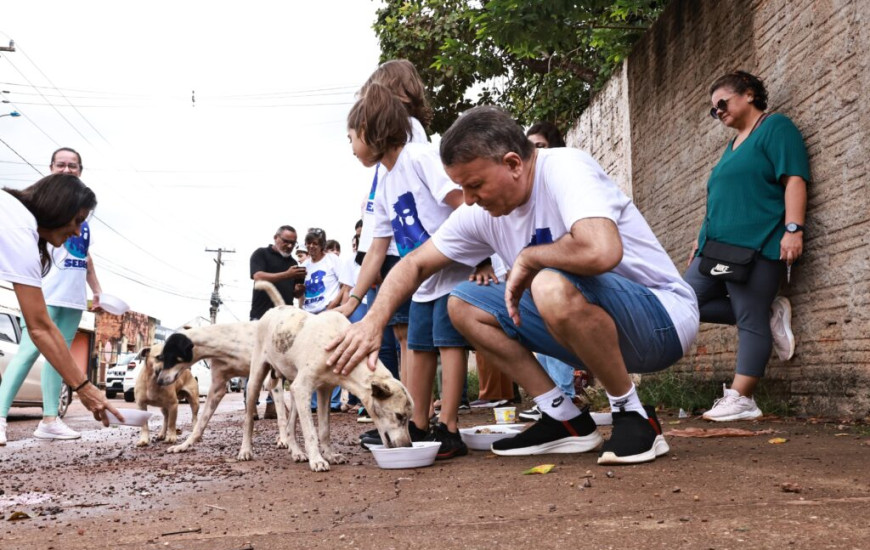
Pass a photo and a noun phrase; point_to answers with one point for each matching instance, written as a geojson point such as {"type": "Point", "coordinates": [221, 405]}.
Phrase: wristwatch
{"type": "Point", "coordinates": [792, 227]}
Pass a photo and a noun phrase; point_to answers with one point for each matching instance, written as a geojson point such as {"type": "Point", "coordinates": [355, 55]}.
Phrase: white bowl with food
{"type": "Point", "coordinates": [113, 304]}
{"type": "Point", "coordinates": [132, 417]}
{"type": "Point", "coordinates": [481, 438]}
{"type": "Point", "coordinates": [420, 455]}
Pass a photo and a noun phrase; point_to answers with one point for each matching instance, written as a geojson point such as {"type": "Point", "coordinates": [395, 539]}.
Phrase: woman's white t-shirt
{"type": "Point", "coordinates": [411, 208]}
{"type": "Point", "coordinates": [19, 243]}
{"type": "Point", "coordinates": [569, 186]}
{"type": "Point", "coordinates": [321, 283]}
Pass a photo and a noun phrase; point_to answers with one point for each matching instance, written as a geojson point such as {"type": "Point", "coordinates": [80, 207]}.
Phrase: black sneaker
{"type": "Point", "coordinates": [549, 435]}
{"type": "Point", "coordinates": [634, 439]}
{"type": "Point", "coordinates": [464, 407]}
{"type": "Point", "coordinates": [451, 442]}
{"type": "Point", "coordinates": [373, 437]}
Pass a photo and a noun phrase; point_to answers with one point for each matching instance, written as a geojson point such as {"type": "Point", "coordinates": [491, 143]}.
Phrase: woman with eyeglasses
{"type": "Point", "coordinates": [756, 202]}
{"type": "Point", "coordinates": [48, 212]}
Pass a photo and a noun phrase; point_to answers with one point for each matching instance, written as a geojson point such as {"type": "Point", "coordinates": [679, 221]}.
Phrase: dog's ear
{"type": "Point", "coordinates": [381, 391]}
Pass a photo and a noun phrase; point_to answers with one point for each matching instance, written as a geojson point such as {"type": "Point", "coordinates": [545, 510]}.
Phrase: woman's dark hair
{"type": "Point", "coordinates": [379, 118]}
{"type": "Point", "coordinates": [54, 201]}
{"type": "Point", "coordinates": [550, 132]}
{"type": "Point", "coordinates": [741, 82]}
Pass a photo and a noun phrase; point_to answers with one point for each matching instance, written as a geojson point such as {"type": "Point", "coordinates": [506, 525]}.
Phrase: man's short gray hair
{"type": "Point", "coordinates": [484, 132]}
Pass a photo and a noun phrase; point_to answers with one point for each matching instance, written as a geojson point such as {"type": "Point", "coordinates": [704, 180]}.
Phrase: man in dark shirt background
{"type": "Point", "coordinates": [275, 263]}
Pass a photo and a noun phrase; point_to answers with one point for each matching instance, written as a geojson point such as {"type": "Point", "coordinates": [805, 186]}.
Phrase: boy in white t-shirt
{"type": "Point", "coordinates": [607, 297]}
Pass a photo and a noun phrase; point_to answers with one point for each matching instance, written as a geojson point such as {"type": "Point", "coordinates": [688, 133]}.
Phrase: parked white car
{"type": "Point", "coordinates": [30, 394]}
{"type": "Point", "coordinates": [201, 372]}
{"type": "Point", "coordinates": [116, 373]}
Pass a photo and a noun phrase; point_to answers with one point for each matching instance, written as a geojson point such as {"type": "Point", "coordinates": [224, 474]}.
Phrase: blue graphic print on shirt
{"type": "Point", "coordinates": [370, 204]}
{"type": "Point", "coordinates": [407, 228]}
{"type": "Point", "coordinates": [314, 287]}
{"type": "Point", "coordinates": [541, 236]}
{"type": "Point", "coordinates": [77, 247]}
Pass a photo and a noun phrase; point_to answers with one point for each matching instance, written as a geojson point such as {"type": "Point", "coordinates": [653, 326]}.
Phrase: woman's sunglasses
{"type": "Point", "coordinates": [721, 105]}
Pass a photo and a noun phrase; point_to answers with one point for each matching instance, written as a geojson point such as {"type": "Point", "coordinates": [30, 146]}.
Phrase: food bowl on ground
{"type": "Point", "coordinates": [420, 455]}
{"type": "Point", "coordinates": [505, 415]}
{"type": "Point", "coordinates": [132, 417]}
{"type": "Point", "coordinates": [113, 304]}
{"type": "Point", "coordinates": [481, 438]}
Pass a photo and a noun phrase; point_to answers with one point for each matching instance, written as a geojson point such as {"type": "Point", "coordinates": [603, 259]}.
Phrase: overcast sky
{"type": "Point", "coordinates": [263, 144]}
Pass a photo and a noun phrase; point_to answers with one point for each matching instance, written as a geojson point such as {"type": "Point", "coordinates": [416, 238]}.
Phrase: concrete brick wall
{"type": "Point", "coordinates": [812, 55]}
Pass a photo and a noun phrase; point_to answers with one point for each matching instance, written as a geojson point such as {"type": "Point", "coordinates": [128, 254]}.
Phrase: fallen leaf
{"type": "Point", "coordinates": [777, 440]}
{"type": "Point", "coordinates": [540, 469]}
{"type": "Point", "coordinates": [18, 515]}
{"type": "Point", "coordinates": [717, 432]}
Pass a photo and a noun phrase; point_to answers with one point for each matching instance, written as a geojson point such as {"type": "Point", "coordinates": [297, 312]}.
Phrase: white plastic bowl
{"type": "Point", "coordinates": [113, 304]}
{"type": "Point", "coordinates": [420, 455]}
{"type": "Point", "coordinates": [132, 417]}
{"type": "Point", "coordinates": [483, 441]}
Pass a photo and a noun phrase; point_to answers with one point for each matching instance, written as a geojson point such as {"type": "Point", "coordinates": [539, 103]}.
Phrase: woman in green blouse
{"type": "Point", "coordinates": [756, 198]}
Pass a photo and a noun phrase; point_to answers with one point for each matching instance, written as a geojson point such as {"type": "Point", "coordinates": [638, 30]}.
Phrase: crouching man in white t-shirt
{"type": "Point", "coordinates": [589, 284]}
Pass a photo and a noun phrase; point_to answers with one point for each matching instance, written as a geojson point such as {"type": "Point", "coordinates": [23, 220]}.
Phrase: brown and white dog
{"type": "Point", "coordinates": [228, 348]}
{"type": "Point", "coordinates": [294, 343]}
{"type": "Point", "coordinates": [149, 392]}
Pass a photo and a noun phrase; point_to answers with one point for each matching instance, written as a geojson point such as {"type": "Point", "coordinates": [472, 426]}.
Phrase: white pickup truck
{"type": "Point", "coordinates": [30, 394]}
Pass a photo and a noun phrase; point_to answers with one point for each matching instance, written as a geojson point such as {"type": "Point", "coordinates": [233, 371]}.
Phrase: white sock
{"type": "Point", "coordinates": [627, 402]}
{"type": "Point", "coordinates": [557, 405]}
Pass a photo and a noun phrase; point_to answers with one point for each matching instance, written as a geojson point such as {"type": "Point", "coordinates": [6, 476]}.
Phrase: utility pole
{"type": "Point", "coordinates": [215, 295]}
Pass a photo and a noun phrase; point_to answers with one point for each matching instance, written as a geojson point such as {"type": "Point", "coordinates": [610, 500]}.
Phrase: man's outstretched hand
{"type": "Point", "coordinates": [359, 341]}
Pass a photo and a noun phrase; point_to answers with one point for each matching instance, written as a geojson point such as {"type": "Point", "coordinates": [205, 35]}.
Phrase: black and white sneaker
{"type": "Point", "coordinates": [373, 437]}
{"type": "Point", "coordinates": [549, 435]}
{"type": "Point", "coordinates": [451, 442]}
{"type": "Point", "coordinates": [533, 414]}
{"type": "Point", "coordinates": [634, 439]}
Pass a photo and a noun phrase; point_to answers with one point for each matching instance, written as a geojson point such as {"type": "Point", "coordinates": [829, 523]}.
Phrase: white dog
{"type": "Point", "coordinates": [294, 343]}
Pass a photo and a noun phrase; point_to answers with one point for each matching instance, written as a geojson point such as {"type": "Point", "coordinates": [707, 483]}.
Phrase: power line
{"type": "Point", "coordinates": [21, 157]}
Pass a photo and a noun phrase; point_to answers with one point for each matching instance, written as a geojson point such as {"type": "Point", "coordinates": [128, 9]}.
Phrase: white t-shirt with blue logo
{"type": "Point", "coordinates": [66, 283]}
{"type": "Point", "coordinates": [411, 208]}
{"type": "Point", "coordinates": [418, 135]}
{"type": "Point", "coordinates": [321, 283]}
{"type": "Point", "coordinates": [569, 186]}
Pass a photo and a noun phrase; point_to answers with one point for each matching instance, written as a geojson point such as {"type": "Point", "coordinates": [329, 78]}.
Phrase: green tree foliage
{"type": "Point", "coordinates": [539, 59]}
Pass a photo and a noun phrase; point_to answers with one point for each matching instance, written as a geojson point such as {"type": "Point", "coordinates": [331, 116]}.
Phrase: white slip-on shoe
{"type": "Point", "coordinates": [780, 328]}
{"type": "Point", "coordinates": [2, 431]}
{"type": "Point", "coordinates": [55, 430]}
{"type": "Point", "coordinates": [733, 406]}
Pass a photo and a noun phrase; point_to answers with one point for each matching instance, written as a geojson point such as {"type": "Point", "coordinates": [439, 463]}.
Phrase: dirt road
{"type": "Point", "coordinates": [812, 491]}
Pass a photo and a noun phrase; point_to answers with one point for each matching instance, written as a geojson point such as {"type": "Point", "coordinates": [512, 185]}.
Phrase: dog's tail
{"type": "Point", "coordinates": [270, 289]}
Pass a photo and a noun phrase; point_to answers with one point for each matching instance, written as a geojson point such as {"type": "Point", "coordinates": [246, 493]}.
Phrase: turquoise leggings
{"type": "Point", "coordinates": [67, 320]}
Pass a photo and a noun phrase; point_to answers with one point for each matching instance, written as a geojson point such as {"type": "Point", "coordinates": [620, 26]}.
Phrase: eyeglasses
{"type": "Point", "coordinates": [71, 165]}
{"type": "Point", "coordinates": [317, 231]}
{"type": "Point", "coordinates": [721, 105]}
{"type": "Point", "coordinates": [287, 241]}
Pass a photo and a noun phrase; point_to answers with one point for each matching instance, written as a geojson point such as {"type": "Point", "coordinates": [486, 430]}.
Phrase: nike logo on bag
{"type": "Point", "coordinates": [720, 270]}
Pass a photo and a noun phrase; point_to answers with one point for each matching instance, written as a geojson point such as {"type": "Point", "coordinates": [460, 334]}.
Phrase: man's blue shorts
{"type": "Point", "coordinates": [430, 327]}
{"type": "Point", "coordinates": [647, 337]}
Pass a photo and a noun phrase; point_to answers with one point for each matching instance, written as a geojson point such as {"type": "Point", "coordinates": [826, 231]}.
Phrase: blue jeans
{"type": "Point", "coordinates": [560, 373]}
{"type": "Point", "coordinates": [648, 339]}
{"type": "Point", "coordinates": [430, 327]}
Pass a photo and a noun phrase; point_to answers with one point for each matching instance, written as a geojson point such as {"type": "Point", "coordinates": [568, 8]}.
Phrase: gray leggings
{"type": "Point", "coordinates": [746, 305]}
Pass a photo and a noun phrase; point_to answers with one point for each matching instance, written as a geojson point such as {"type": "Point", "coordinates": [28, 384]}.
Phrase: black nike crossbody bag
{"type": "Point", "coordinates": [728, 262]}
